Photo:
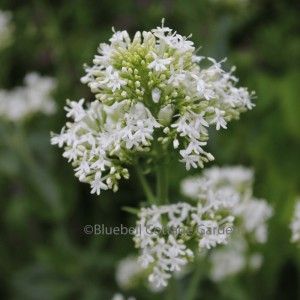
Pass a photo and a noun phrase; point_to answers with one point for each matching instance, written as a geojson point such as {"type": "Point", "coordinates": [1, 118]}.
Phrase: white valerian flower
{"type": "Point", "coordinates": [119, 296]}
{"type": "Point", "coordinates": [159, 64]}
{"type": "Point", "coordinates": [156, 95]}
{"type": "Point", "coordinates": [229, 260]}
{"type": "Point", "coordinates": [6, 29]}
{"type": "Point", "coordinates": [164, 234]}
{"type": "Point", "coordinates": [130, 273]}
{"type": "Point", "coordinates": [102, 139]}
{"type": "Point", "coordinates": [150, 87]}
{"type": "Point", "coordinates": [232, 184]}
{"type": "Point", "coordinates": [295, 224]}
{"type": "Point", "coordinates": [23, 102]}
{"type": "Point", "coordinates": [254, 214]}
{"type": "Point", "coordinates": [232, 259]}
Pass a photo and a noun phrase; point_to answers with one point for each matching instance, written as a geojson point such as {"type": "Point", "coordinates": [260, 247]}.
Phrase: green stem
{"type": "Point", "coordinates": [172, 291]}
{"type": "Point", "coordinates": [193, 286]}
{"type": "Point", "coordinates": [21, 147]}
{"type": "Point", "coordinates": [162, 183]}
{"type": "Point", "coordinates": [34, 173]}
{"type": "Point", "coordinates": [145, 185]}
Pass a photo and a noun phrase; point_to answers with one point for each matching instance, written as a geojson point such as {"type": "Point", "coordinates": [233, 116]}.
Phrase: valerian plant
{"type": "Point", "coordinates": [21, 103]}
{"type": "Point", "coordinates": [250, 214]}
{"type": "Point", "coordinates": [219, 198]}
{"type": "Point", "coordinates": [155, 98]}
{"type": "Point", "coordinates": [153, 95]}
{"type": "Point", "coordinates": [19, 108]}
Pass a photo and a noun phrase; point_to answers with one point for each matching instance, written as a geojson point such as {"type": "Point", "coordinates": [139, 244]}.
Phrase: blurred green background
{"type": "Point", "coordinates": [44, 253]}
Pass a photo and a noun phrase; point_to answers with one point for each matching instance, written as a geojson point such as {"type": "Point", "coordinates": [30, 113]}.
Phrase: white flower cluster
{"type": "Point", "coordinates": [153, 93]}
{"type": "Point", "coordinates": [102, 138]}
{"type": "Point", "coordinates": [35, 96]}
{"type": "Point", "coordinates": [234, 183]}
{"type": "Point", "coordinates": [295, 224]}
{"type": "Point", "coordinates": [164, 234]}
{"type": "Point", "coordinates": [5, 29]}
{"type": "Point", "coordinates": [129, 274]}
{"type": "Point", "coordinates": [251, 216]}
{"type": "Point", "coordinates": [232, 259]}
{"type": "Point", "coordinates": [119, 296]}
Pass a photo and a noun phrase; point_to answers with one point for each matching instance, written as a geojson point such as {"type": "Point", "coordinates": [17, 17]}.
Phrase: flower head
{"type": "Point", "coordinates": [232, 184]}
{"type": "Point", "coordinates": [165, 235]}
{"type": "Point", "coordinates": [250, 216]}
{"type": "Point", "coordinates": [233, 258]}
{"type": "Point", "coordinates": [22, 102]}
{"type": "Point", "coordinates": [153, 94]}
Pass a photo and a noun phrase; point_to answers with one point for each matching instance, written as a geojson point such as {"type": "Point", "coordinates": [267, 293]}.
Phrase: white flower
{"type": "Point", "coordinates": [175, 144]}
{"type": "Point", "coordinates": [159, 64]}
{"type": "Point", "coordinates": [102, 139]}
{"type": "Point", "coordinates": [151, 93]}
{"type": "Point", "coordinates": [162, 233]}
{"type": "Point", "coordinates": [120, 38]}
{"type": "Point", "coordinates": [204, 90]}
{"type": "Point", "coordinates": [255, 213]}
{"type": "Point", "coordinates": [190, 160]}
{"type": "Point", "coordinates": [295, 224]}
{"type": "Point", "coordinates": [128, 271]}
{"type": "Point", "coordinates": [232, 185]}
{"type": "Point", "coordinates": [236, 178]}
{"type": "Point", "coordinates": [97, 184]}
{"type": "Point", "coordinates": [75, 110]}
{"type": "Point", "coordinates": [229, 260]}
{"type": "Point", "coordinates": [233, 258]}
{"type": "Point", "coordinates": [159, 278]}
{"type": "Point", "coordinates": [112, 79]}
{"type": "Point", "coordinates": [119, 296]}
{"type": "Point", "coordinates": [219, 119]}
{"type": "Point", "coordinates": [22, 102]}
{"type": "Point", "coordinates": [156, 95]}
{"type": "Point", "coordinates": [162, 66]}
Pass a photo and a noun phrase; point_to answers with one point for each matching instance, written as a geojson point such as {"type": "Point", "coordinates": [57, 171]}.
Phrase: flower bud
{"type": "Point", "coordinates": [156, 95]}
{"type": "Point", "coordinates": [165, 114]}
{"type": "Point", "coordinates": [175, 144]}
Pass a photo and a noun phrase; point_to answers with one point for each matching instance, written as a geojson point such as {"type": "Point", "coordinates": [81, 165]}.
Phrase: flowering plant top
{"type": "Point", "coordinates": [153, 94]}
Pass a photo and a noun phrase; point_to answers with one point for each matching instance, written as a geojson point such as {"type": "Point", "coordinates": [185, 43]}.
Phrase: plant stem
{"type": "Point", "coordinates": [172, 291]}
{"type": "Point", "coordinates": [145, 185]}
{"type": "Point", "coordinates": [193, 286]}
{"type": "Point", "coordinates": [162, 183]}
{"type": "Point", "coordinates": [35, 174]}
